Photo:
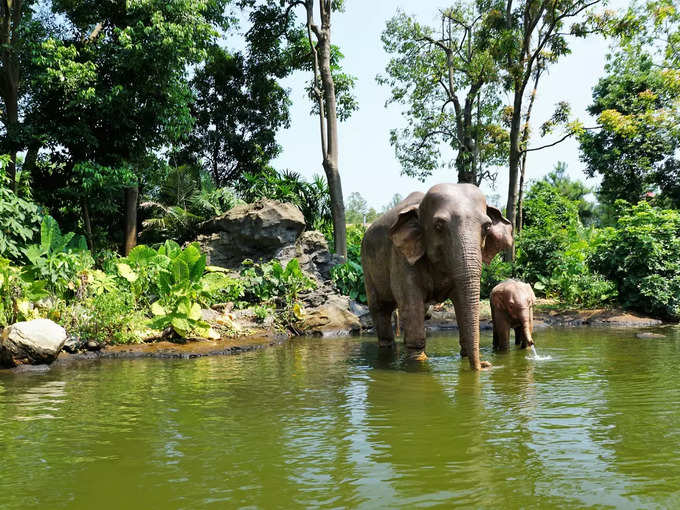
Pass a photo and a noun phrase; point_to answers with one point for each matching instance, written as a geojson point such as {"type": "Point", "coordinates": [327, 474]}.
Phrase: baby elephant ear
{"type": "Point", "coordinates": [499, 237]}
{"type": "Point", "coordinates": [407, 234]}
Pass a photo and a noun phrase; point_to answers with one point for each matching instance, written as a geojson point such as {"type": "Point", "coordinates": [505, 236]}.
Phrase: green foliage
{"type": "Point", "coordinates": [349, 277]}
{"type": "Point", "coordinates": [635, 149]}
{"type": "Point", "coordinates": [553, 247]}
{"type": "Point", "coordinates": [18, 293]}
{"type": "Point", "coordinates": [58, 259]}
{"type": "Point", "coordinates": [447, 77]}
{"type": "Point", "coordinates": [106, 317]}
{"type": "Point", "coordinates": [642, 255]}
{"type": "Point", "coordinates": [272, 282]}
{"type": "Point", "coordinates": [355, 234]}
{"type": "Point", "coordinates": [19, 218]}
{"type": "Point", "coordinates": [494, 273]}
{"type": "Point", "coordinates": [174, 282]}
{"type": "Point", "coordinates": [551, 222]}
{"type": "Point", "coordinates": [238, 107]}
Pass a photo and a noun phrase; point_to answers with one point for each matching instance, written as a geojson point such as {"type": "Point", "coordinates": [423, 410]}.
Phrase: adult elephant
{"type": "Point", "coordinates": [426, 249]}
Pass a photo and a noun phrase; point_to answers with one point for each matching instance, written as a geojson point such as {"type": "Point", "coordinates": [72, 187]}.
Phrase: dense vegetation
{"type": "Point", "coordinates": [133, 122]}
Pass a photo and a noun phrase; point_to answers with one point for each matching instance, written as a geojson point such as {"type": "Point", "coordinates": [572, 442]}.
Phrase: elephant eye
{"type": "Point", "coordinates": [486, 226]}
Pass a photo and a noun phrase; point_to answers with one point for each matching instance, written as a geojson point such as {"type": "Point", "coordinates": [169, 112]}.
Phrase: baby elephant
{"type": "Point", "coordinates": [512, 306]}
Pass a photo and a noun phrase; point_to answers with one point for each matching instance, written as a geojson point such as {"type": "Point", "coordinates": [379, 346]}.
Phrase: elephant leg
{"type": "Point", "coordinates": [413, 325]}
{"type": "Point", "coordinates": [501, 332]}
{"type": "Point", "coordinates": [382, 321]}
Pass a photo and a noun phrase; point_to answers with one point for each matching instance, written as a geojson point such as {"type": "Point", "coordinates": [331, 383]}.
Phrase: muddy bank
{"type": "Point", "coordinates": [168, 350]}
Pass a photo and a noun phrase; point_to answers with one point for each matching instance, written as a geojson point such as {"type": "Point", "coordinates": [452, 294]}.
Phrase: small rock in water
{"type": "Point", "coordinates": [93, 346]}
{"type": "Point", "coordinates": [647, 334]}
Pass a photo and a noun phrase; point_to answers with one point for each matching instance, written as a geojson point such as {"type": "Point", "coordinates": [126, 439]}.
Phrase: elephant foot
{"type": "Point", "coordinates": [416, 355]}
{"type": "Point", "coordinates": [485, 365]}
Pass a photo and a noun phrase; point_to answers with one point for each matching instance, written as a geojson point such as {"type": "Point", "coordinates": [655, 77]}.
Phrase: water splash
{"type": "Point", "coordinates": [534, 355]}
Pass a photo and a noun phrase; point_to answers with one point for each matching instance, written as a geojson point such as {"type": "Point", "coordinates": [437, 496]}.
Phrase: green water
{"type": "Point", "coordinates": [331, 424]}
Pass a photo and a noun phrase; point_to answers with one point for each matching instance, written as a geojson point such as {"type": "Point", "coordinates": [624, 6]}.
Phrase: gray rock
{"type": "Point", "coordinates": [93, 346]}
{"type": "Point", "coordinates": [331, 319]}
{"type": "Point", "coordinates": [311, 250]}
{"type": "Point", "coordinates": [647, 334]}
{"type": "Point", "coordinates": [257, 231]}
{"type": "Point", "coordinates": [72, 344]}
{"type": "Point", "coordinates": [32, 342]}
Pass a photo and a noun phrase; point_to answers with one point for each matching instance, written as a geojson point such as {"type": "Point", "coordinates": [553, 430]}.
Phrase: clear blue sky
{"type": "Point", "coordinates": [367, 161]}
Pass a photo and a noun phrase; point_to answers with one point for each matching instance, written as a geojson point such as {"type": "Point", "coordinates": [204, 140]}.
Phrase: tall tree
{"type": "Point", "coordinates": [238, 107]}
{"type": "Point", "coordinates": [21, 31]}
{"type": "Point", "coordinates": [448, 77]}
{"type": "Point", "coordinates": [309, 48]}
{"type": "Point", "coordinates": [531, 28]}
{"type": "Point", "coordinates": [115, 75]}
{"type": "Point", "coordinates": [638, 107]}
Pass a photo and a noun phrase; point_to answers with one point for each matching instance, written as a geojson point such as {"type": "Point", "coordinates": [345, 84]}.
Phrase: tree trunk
{"type": "Point", "coordinates": [9, 26]}
{"type": "Point", "coordinates": [525, 140]}
{"type": "Point", "coordinates": [88, 224]}
{"type": "Point", "coordinates": [515, 153]}
{"type": "Point", "coordinates": [131, 195]}
{"type": "Point", "coordinates": [329, 137]}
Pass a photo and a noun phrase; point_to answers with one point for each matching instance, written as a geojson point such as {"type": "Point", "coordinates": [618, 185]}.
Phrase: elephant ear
{"type": "Point", "coordinates": [499, 236]}
{"type": "Point", "coordinates": [407, 234]}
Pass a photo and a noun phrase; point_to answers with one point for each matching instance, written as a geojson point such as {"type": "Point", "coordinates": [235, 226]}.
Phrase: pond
{"type": "Point", "coordinates": [332, 423]}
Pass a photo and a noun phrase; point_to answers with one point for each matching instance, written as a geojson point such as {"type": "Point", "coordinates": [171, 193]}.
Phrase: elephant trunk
{"type": "Point", "coordinates": [526, 330]}
{"type": "Point", "coordinates": [466, 303]}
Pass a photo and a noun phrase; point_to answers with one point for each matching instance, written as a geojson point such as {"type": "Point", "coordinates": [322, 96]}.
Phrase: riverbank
{"type": "Point", "coordinates": [548, 314]}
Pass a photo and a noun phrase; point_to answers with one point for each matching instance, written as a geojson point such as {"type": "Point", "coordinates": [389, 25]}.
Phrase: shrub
{"type": "Point", "coordinates": [18, 293]}
{"type": "Point", "coordinates": [272, 282]}
{"type": "Point", "coordinates": [642, 254]}
{"type": "Point", "coordinates": [349, 280]}
{"type": "Point", "coordinates": [493, 274]}
{"type": "Point", "coordinates": [105, 317]}
{"type": "Point", "coordinates": [551, 224]}
{"type": "Point", "coordinates": [19, 219]}
{"type": "Point", "coordinates": [58, 259]}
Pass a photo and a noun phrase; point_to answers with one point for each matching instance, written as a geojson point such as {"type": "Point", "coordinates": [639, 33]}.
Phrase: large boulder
{"type": "Point", "coordinates": [33, 342]}
{"type": "Point", "coordinates": [256, 231]}
{"type": "Point", "coordinates": [311, 250]}
{"type": "Point", "coordinates": [333, 318]}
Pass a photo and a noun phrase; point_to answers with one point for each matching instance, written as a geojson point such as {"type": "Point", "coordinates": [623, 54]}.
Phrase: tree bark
{"type": "Point", "coordinates": [329, 121]}
{"type": "Point", "coordinates": [10, 18]}
{"type": "Point", "coordinates": [88, 225]}
{"type": "Point", "coordinates": [523, 164]}
{"type": "Point", "coordinates": [131, 196]}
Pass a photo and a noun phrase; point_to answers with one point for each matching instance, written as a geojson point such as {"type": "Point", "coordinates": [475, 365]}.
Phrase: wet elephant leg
{"type": "Point", "coordinates": [382, 318]}
{"type": "Point", "coordinates": [413, 325]}
{"type": "Point", "coordinates": [501, 332]}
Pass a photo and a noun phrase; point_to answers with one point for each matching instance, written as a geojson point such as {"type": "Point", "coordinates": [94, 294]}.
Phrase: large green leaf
{"type": "Point", "coordinates": [49, 233]}
{"type": "Point", "coordinates": [126, 272]}
{"type": "Point", "coordinates": [181, 326]}
{"type": "Point", "coordinates": [142, 255]}
{"type": "Point", "coordinates": [180, 271]}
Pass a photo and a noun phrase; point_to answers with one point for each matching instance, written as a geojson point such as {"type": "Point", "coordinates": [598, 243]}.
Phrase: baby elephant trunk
{"type": "Point", "coordinates": [523, 335]}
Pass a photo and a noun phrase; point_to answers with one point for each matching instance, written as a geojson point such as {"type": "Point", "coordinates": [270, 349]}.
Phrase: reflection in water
{"type": "Point", "coordinates": [340, 423]}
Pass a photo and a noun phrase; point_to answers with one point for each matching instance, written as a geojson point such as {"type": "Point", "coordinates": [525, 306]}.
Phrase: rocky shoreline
{"type": "Point", "coordinates": [440, 321]}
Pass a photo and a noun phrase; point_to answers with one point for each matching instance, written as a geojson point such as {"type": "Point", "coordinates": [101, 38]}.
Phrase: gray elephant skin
{"type": "Point", "coordinates": [426, 249]}
{"type": "Point", "coordinates": [512, 307]}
